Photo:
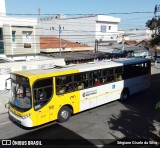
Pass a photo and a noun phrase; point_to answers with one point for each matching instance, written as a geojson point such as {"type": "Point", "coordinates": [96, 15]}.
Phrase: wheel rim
{"type": "Point", "coordinates": [64, 114]}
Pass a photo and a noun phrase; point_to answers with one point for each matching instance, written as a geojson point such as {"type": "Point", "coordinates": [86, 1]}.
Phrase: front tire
{"type": "Point", "coordinates": [124, 94]}
{"type": "Point", "coordinates": [64, 114]}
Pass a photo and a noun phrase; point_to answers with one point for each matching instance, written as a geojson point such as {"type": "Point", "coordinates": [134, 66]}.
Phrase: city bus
{"type": "Point", "coordinates": [55, 93]}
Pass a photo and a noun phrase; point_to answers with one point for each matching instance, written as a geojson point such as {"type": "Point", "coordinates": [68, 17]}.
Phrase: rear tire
{"type": "Point", "coordinates": [124, 94]}
{"type": "Point", "coordinates": [64, 114]}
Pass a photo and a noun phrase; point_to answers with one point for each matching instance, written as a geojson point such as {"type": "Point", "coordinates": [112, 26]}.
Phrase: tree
{"type": "Point", "coordinates": [154, 24]}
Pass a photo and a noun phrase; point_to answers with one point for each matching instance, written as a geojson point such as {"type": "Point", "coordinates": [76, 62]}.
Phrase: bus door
{"type": "Point", "coordinates": [43, 92]}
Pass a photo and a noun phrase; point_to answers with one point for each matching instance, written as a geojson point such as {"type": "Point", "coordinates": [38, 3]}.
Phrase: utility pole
{"type": "Point", "coordinates": [39, 11]}
{"type": "Point", "coordinates": [156, 10]}
{"type": "Point", "coordinates": [60, 31]}
{"type": "Point", "coordinates": [122, 42]}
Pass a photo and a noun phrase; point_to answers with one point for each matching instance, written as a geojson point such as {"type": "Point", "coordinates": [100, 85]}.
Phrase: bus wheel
{"type": "Point", "coordinates": [64, 114]}
{"type": "Point", "coordinates": [124, 94]}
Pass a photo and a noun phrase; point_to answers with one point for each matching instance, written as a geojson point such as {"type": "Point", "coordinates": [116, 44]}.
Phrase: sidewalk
{"type": "Point", "coordinates": [155, 68]}
{"type": "Point", "coordinates": [5, 95]}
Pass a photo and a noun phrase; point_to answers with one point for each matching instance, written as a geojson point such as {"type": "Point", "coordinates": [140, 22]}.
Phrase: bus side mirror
{"type": "Point", "coordinates": [8, 84]}
{"type": "Point", "coordinates": [7, 105]}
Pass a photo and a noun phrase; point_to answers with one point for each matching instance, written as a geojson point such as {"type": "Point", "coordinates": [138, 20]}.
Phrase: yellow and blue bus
{"type": "Point", "coordinates": [43, 95]}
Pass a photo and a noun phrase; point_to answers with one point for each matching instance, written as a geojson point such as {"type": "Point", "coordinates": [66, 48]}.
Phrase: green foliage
{"type": "Point", "coordinates": [157, 105]}
{"type": "Point", "coordinates": [154, 24]}
{"type": "Point", "coordinates": [155, 40]}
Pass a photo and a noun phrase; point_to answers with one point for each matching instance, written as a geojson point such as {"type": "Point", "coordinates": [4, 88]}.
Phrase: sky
{"type": "Point", "coordinates": [84, 7]}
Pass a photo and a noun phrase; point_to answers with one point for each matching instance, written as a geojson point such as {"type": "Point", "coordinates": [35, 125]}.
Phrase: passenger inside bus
{"type": "Point", "coordinates": [42, 95]}
{"type": "Point", "coordinates": [97, 82]}
{"type": "Point", "coordinates": [20, 92]}
{"type": "Point", "coordinates": [80, 86]}
{"type": "Point", "coordinates": [41, 98]}
{"type": "Point", "coordinates": [69, 88]}
{"type": "Point", "coordinates": [61, 90]}
{"type": "Point", "coordinates": [104, 80]}
{"type": "Point", "coordinates": [118, 77]}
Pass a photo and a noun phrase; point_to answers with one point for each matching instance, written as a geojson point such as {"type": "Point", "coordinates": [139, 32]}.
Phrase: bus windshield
{"type": "Point", "coordinates": [20, 96]}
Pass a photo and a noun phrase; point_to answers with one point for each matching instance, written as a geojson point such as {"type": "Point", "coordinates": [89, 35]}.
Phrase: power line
{"type": "Point", "coordinates": [73, 23]}
{"type": "Point", "coordinates": [80, 14]}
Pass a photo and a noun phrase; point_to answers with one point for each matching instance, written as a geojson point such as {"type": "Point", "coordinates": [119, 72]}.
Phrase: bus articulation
{"type": "Point", "coordinates": [44, 95]}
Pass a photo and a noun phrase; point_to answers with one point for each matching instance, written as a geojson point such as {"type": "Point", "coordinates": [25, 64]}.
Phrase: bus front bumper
{"type": "Point", "coordinates": [27, 122]}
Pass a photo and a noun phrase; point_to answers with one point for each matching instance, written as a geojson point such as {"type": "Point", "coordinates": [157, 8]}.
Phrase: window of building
{"type": "Point", "coordinates": [13, 36]}
{"type": "Point", "coordinates": [27, 39]}
{"type": "Point", "coordinates": [109, 27]}
{"type": "Point", "coordinates": [103, 28]}
{"type": "Point", "coordinates": [1, 41]}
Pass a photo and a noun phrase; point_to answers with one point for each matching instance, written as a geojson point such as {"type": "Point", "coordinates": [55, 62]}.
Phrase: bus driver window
{"type": "Point", "coordinates": [43, 91]}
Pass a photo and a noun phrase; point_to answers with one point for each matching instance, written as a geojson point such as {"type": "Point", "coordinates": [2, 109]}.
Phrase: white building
{"type": "Point", "coordinates": [136, 35]}
{"type": "Point", "coordinates": [18, 36]}
{"type": "Point", "coordinates": [2, 8]}
{"type": "Point", "coordinates": [84, 29]}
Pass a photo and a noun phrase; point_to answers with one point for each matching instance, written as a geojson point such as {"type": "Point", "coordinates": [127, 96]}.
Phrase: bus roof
{"type": "Point", "coordinates": [74, 68]}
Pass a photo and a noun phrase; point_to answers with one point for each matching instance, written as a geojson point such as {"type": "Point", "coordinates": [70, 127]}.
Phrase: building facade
{"type": "Point", "coordinates": [18, 36]}
{"type": "Point", "coordinates": [135, 35]}
{"type": "Point", "coordinates": [84, 30]}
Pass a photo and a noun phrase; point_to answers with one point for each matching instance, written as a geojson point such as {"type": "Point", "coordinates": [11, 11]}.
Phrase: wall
{"type": "Point", "coordinates": [138, 35]}
{"type": "Point", "coordinates": [85, 29]}
{"type": "Point", "coordinates": [80, 30]}
{"type": "Point", "coordinates": [48, 50]}
{"type": "Point", "coordinates": [2, 8]}
{"type": "Point", "coordinates": [111, 25]}
{"type": "Point", "coordinates": [109, 35]}
{"type": "Point", "coordinates": [19, 25]}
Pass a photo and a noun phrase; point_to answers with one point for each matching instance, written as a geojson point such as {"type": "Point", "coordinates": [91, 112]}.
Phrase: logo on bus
{"type": "Point", "coordinates": [89, 93]}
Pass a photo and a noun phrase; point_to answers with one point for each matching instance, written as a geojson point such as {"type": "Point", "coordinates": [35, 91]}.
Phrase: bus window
{"type": "Point", "coordinates": [110, 75]}
{"type": "Point", "coordinates": [97, 74]}
{"type": "Point", "coordinates": [135, 70]}
{"type": "Point", "coordinates": [95, 78]}
{"type": "Point", "coordinates": [110, 79]}
{"type": "Point", "coordinates": [118, 73]}
{"type": "Point", "coordinates": [21, 96]}
{"type": "Point", "coordinates": [118, 70]}
{"type": "Point", "coordinates": [43, 90]}
{"type": "Point", "coordinates": [64, 84]}
{"type": "Point", "coordinates": [81, 81]}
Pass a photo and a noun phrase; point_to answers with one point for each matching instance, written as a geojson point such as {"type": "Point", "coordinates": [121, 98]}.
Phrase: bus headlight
{"type": "Point", "coordinates": [26, 116]}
